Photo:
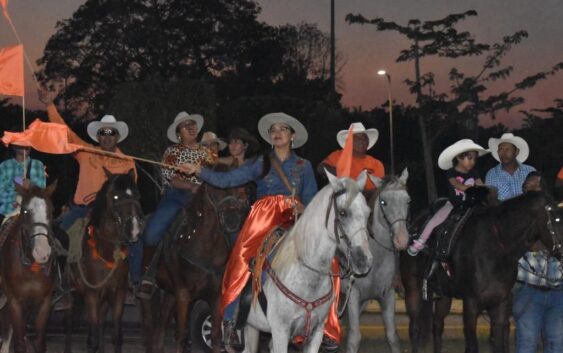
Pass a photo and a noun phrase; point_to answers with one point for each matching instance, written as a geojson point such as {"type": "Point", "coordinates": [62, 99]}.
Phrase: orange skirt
{"type": "Point", "coordinates": [266, 214]}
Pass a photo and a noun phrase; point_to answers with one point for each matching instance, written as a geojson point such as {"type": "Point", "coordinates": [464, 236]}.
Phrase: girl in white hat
{"type": "Point", "coordinates": [458, 160]}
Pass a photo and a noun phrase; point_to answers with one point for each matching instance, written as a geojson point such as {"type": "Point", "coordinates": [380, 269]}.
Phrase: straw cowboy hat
{"type": "Point", "coordinates": [110, 122]}
{"type": "Point", "coordinates": [445, 161]}
{"type": "Point", "coordinates": [518, 142]}
{"type": "Point", "coordinates": [210, 137]}
{"type": "Point", "coordinates": [180, 118]}
{"type": "Point", "coordinates": [357, 128]}
{"type": "Point", "coordinates": [268, 120]}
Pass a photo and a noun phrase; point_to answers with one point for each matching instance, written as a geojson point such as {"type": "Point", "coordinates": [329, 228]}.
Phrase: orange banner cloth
{"type": "Point", "coordinates": [266, 213]}
{"type": "Point", "coordinates": [4, 4]}
{"type": "Point", "coordinates": [344, 165]}
{"type": "Point", "coordinates": [44, 137]}
{"type": "Point", "coordinates": [11, 71]}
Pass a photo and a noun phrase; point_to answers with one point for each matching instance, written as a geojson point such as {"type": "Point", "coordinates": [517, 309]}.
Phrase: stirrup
{"type": "Point", "coordinates": [146, 290]}
{"type": "Point", "coordinates": [230, 337]}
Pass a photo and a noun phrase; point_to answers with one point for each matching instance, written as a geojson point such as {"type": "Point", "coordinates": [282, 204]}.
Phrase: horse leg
{"type": "Point", "coordinates": [41, 323]}
{"type": "Point", "coordinates": [18, 325]}
{"type": "Point", "coordinates": [354, 312]}
{"type": "Point", "coordinates": [117, 315]}
{"type": "Point", "coordinates": [104, 308]}
{"type": "Point", "coordinates": [167, 306]}
{"type": "Point", "coordinates": [182, 296]}
{"type": "Point", "coordinates": [216, 332]}
{"type": "Point", "coordinates": [387, 304]}
{"type": "Point", "coordinates": [93, 322]}
{"type": "Point", "coordinates": [148, 321]}
{"type": "Point", "coordinates": [420, 313]}
{"type": "Point", "coordinates": [470, 312]}
{"type": "Point", "coordinates": [500, 327]}
{"type": "Point", "coordinates": [251, 339]}
{"type": "Point", "coordinates": [441, 310]}
{"type": "Point", "coordinates": [68, 326]}
{"type": "Point", "coordinates": [312, 346]}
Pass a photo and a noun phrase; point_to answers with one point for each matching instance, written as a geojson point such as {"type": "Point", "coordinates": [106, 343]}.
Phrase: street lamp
{"type": "Point", "coordinates": [384, 73]}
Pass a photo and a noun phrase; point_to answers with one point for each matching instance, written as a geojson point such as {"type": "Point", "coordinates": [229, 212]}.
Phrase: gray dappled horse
{"type": "Point", "coordinates": [336, 218]}
{"type": "Point", "coordinates": [388, 227]}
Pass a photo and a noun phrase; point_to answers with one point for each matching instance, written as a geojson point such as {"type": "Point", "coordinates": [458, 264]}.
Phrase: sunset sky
{"type": "Point", "coordinates": [364, 49]}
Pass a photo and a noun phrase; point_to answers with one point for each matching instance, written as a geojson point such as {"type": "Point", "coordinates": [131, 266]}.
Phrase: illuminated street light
{"type": "Point", "coordinates": [384, 73]}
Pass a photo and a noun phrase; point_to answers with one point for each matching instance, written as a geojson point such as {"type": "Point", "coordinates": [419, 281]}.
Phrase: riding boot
{"type": "Point", "coordinates": [148, 284]}
{"type": "Point", "coordinates": [230, 337]}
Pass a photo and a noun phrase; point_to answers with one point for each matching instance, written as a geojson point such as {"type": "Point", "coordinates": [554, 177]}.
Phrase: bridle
{"type": "Point", "coordinates": [222, 208]}
{"type": "Point", "coordinates": [27, 236]}
{"type": "Point", "coordinates": [121, 222]}
{"type": "Point", "coordinates": [381, 203]}
{"type": "Point", "coordinates": [552, 220]}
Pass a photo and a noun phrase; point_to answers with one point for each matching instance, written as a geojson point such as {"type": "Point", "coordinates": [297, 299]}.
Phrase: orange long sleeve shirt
{"type": "Point", "coordinates": [91, 175]}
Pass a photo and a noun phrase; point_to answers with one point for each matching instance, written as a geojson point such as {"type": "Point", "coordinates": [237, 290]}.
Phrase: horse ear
{"type": "Point", "coordinates": [362, 178]}
{"type": "Point", "coordinates": [332, 179]}
{"type": "Point", "coordinates": [107, 172]}
{"type": "Point", "coordinates": [404, 176]}
{"type": "Point", "coordinates": [50, 189]}
{"type": "Point", "coordinates": [378, 182]}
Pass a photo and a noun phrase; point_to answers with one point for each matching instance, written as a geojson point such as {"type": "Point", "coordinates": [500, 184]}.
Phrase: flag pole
{"type": "Point", "coordinates": [126, 156]}
{"type": "Point", "coordinates": [24, 52]}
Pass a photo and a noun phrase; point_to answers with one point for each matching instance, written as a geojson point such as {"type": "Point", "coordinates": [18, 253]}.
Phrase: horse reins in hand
{"type": "Point", "coordinates": [309, 306]}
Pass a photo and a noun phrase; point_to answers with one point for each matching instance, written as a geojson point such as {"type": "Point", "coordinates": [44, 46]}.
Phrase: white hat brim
{"type": "Point", "coordinates": [445, 160]}
{"type": "Point", "coordinates": [520, 143]}
{"type": "Point", "coordinates": [120, 126]}
{"type": "Point", "coordinates": [265, 122]}
{"type": "Point", "coordinates": [373, 136]}
{"type": "Point", "coordinates": [180, 118]}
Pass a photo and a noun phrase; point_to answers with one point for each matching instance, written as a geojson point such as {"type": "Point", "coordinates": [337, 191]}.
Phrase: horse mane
{"type": "Point", "coordinates": [115, 181]}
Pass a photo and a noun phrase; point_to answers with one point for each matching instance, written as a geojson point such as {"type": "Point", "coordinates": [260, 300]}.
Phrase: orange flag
{"type": "Point", "coordinates": [44, 137]}
{"type": "Point", "coordinates": [11, 71]}
{"type": "Point", "coordinates": [344, 165]}
{"type": "Point", "coordinates": [4, 4]}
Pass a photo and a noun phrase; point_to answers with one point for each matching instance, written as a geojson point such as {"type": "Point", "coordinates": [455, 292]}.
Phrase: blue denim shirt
{"type": "Point", "coordinates": [299, 172]}
{"type": "Point", "coordinates": [508, 185]}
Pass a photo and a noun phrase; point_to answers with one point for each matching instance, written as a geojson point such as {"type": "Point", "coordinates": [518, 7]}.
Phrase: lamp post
{"type": "Point", "coordinates": [384, 73]}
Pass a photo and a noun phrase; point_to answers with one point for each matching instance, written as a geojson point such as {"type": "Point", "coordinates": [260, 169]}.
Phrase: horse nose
{"type": "Point", "coordinates": [41, 250]}
{"type": "Point", "coordinates": [401, 238]}
{"type": "Point", "coordinates": [363, 260]}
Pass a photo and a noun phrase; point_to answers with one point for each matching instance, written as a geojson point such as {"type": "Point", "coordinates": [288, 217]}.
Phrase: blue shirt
{"type": "Point", "coordinates": [539, 269]}
{"type": "Point", "coordinates": [508, 185]}
{"type": "Point", "coordinates": [11, 169]}
{"type": "Point", "coordinates": [299, 172]}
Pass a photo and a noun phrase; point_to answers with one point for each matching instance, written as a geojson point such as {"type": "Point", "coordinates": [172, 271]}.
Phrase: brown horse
{"type": "Point", "coordinates": [27, 268]}
{"type": "Point", "coordinates": [195, 252]}
{"type": "Point", "coordinates": [484, 263]}
{"type": "Point", "coordinates": [101, 274]}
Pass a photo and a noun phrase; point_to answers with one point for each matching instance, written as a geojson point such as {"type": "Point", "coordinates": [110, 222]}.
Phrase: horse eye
{"type": "Point", "coordinates": [383, 203]}
{"type": "Point", "coordinates": [25, 211]}
{"type": "Point", "coordinates": [115, 197]}
{"type": "Point", "coordinates": [342, 213]}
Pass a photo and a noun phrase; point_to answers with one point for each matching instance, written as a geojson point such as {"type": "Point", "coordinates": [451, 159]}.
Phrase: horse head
{"type": "Point", "coordinates": [391, 207]}
{"type": "Point", "coordinates": [230, 205]}
{"type": "Point", "coordinates": [37, 215]}
{"type": "Point", "coordinates": [351, 214]}
{"type": "Point", "coordinates": [119, 200]}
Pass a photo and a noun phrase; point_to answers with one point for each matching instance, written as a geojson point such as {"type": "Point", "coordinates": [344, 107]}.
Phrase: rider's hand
{"type": "Point", "coordinates": [190, 168]}
{"type": "Point", "coordinates": [298, 207]}
{"type": "Point", "coordinates": [26, 183]}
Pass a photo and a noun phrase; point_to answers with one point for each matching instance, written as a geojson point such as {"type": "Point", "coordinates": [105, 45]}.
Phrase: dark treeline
{"type": "Point", "coordinates": [144, 61]}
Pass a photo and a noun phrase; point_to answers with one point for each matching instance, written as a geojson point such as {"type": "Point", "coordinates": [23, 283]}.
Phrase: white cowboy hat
{"type": "Point", "coordinates": [445, 161]}
{"type": "Point", "coordinates": [357, 128]}
{"type": "Point", "coordinates": [180, 118]}
{"type": "Point", "coordinates": [518, 142]}
{"type": "Point", "coordinates": [107, 121]}
{"type": "Point", "coordinates": [268, 120]}
{"type": "Point", "coordinates": [210, 137]}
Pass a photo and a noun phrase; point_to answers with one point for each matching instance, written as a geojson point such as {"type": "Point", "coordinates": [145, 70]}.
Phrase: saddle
{"type": "Point", "coordinates": [253, 289]}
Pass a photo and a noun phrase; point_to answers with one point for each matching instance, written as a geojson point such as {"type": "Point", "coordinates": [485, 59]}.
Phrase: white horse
{"type": "Point", "coordinates": [388, 226]}
{"type": "Point", "coordinates": [336, 218]}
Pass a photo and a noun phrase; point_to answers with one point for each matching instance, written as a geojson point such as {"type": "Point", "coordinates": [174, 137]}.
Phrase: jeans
{"type": "Point", "coordinates": [157, 225]}
{"type": "Point", "coordinates": [76, 212]}
{"type": "Point", "coordinates": [538, 314]}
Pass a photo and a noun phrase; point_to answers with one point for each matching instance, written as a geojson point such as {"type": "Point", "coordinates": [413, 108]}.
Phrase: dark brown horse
{"type": "Point", "coordinates": [195, 252]}
{"type": "Point", "coordinates": [484, 264]}
{"type": "Point", "coordinates": [101, 274]}
{"type": "Point", "coordinates": [27, 268]}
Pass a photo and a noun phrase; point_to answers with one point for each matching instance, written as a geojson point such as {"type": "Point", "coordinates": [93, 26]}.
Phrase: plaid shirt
{"type": "Point", "coordinates": [508, 185]}
{"type": "Point", "coordinates": [539, 269]}
{"type": "Point", "coordinates": [11, 169]}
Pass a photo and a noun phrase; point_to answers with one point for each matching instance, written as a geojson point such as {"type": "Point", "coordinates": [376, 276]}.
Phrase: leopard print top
{"type": "Point", "coordinates": [179, 154]}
